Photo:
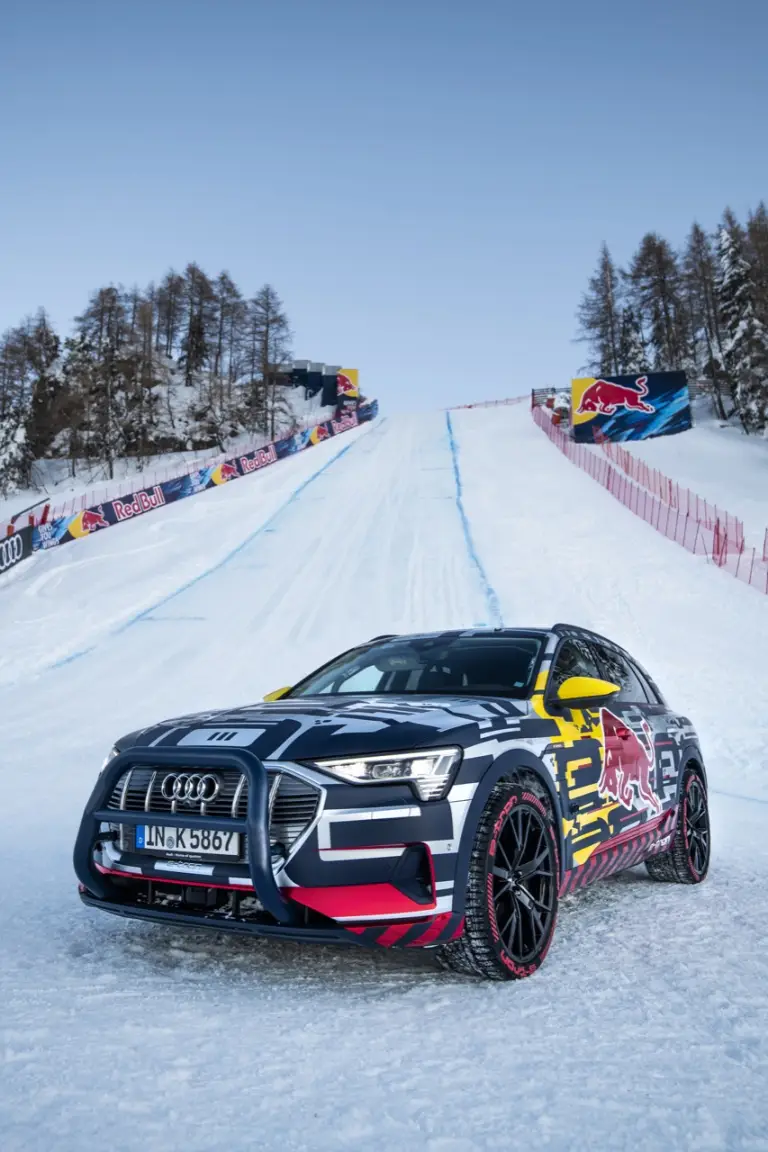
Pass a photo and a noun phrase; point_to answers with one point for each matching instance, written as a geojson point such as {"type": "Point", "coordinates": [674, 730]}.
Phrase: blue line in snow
{"type": "Point", "coordinates": [267, 526]}
{"type": "Point", "coordinates": [491, 598]}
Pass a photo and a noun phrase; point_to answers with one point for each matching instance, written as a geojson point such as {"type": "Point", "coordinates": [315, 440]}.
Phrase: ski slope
{"type": "Point", "coordinates": [647, 1025]}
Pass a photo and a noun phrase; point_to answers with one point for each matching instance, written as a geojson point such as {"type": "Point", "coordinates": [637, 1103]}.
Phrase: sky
{"type": "Point", "coordinates": [426, 183]}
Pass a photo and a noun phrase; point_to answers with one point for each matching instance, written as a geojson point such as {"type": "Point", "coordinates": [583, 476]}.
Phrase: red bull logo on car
{"type": "Point", "coordinates": [628, 764]}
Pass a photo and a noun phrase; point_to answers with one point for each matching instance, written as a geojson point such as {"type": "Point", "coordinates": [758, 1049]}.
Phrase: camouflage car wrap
{"type": "Point", "coordinates": [374, 864]}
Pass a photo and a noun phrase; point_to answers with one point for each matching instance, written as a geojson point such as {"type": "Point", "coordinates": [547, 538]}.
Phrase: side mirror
{"type": "Point", "coordinates": [277, 694]}
{"type": "Point", "coordinates": [585, 692]}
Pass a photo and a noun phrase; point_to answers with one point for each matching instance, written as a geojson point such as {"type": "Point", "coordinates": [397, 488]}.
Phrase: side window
{"type": "Point", "coordinates": [651, 692]}
{"type": "Point", "coordinates": [619, 671]}
{"type": "Point", "coordinates": [575, 658]}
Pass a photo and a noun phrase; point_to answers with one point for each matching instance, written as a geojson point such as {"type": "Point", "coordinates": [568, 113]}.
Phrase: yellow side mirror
{"type": "Point", "coordinates": [277, 694]}
{"type": "Point", "coordinates": [585, 691]}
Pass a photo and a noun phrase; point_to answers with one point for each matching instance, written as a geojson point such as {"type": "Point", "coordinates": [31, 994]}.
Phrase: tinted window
{"type": "Point", "coordinates": [463, 665]}
{"type": "Point", "coordinates": [619, 671]}
{"type": "Point", "coordinates": [575, 658]}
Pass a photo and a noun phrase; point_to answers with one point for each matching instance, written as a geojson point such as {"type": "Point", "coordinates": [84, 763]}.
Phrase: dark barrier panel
{"type": "Point", "coordinates": [630, 407]}
{"type": "Point", "coordinates": [14, 549]}
{"type": "Point", "coordinates": [79, 524]}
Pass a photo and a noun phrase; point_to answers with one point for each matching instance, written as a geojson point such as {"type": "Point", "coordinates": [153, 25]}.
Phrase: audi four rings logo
{"type": "Point", "coordinates": [10, 552]}
{"type": "Point", "coordinates": [191, 788]}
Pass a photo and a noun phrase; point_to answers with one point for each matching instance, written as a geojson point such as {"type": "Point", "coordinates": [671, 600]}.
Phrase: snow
{"type": "Point", "coordinates": [725, 466]}
{"type": "Point", "coordinates": [645, 1028]}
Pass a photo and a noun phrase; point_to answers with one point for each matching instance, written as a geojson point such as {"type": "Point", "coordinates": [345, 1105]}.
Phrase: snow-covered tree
{"type": "Point", "coordinates": [654, 290]}
{"type": "Point", "coordinates": [745, 342]}
{"type": "Point", "coordinates": [633, 357]}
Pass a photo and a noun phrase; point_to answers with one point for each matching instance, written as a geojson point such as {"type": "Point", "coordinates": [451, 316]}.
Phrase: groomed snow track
{"type": "Point", "coordinates": [646, 1028]}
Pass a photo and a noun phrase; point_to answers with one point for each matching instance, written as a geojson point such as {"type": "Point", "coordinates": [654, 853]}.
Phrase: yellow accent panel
{"type": "Point", "coordinates": [578, 388]}
{"type": "Point", "coordinates": [276, 695]}
{"type": "Point", "coordinates": [541, 680]}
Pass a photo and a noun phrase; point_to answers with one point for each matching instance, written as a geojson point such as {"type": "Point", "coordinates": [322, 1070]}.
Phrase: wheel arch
{"type": "Point", "coordinates": [516, 765]}
{"type": "Point", "coordinates": [691, 757]}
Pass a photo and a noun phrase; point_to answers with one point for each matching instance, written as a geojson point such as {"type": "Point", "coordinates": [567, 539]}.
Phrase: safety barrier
{"type": "Point", "coordinates": [674, 523]}
{"type": "Point", "coordinates": [74, 525]}
{"type": "Point", "coordinates": [489, 403]}
{"type": "Point", "coordinates": [671, 493]}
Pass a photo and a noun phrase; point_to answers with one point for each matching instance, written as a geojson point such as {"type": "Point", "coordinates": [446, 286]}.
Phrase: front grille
{"type": "Point", "coordinates": [293, 803]}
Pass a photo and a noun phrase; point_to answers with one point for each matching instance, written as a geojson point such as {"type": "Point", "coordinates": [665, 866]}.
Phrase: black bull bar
{"type": "Point", "coordinates": [255, 826]}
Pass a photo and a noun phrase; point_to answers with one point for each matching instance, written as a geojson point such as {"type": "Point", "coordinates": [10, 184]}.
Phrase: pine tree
{"type": "Point", "coordinates": [632, 353]}
{"type": "Point", "coordinates": [757, 247]}
{"type": "Point", "coordinates": [699, 268]}
{"type": "Point", "coordinates": [745, 345]}
{"type": "Point", "coordinates": [199, 301]}
{"type": "Point", "coordinates": [599, 316]}
{"type": "Point", "coordinates": [169, 308]}
{"type": "Point", "coordinates": [48, 401]}
{"type": "Point", "coordinates": [270, 336]}
{"type": "Point", "coordinates": [15, 397]}
{"type": "Point", "coordinates": [654, 288]}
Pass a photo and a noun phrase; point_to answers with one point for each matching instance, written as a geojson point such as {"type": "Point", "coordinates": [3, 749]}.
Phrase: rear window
{"type": "Point", "coordinates": [428, 666]}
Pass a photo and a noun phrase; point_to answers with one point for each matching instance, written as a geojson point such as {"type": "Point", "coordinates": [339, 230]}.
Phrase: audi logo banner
{"type": "Point", "coordinates": [14, 549]}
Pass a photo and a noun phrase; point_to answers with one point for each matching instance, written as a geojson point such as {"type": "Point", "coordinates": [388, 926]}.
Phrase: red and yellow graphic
{"type": "Point", "coordinates": [348, 383]}
{"type": "Point", "coordinates": [592, 396]}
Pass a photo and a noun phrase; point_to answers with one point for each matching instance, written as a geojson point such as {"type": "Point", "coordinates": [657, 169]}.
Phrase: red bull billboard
{"type": "Point", "coordinates": [629, 407]}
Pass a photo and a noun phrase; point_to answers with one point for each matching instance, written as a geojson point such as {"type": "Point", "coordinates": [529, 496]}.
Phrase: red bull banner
{"type": "Point", "coordinates": [629, 407]}
{"type": "Point", "coordinates": [63, 529]}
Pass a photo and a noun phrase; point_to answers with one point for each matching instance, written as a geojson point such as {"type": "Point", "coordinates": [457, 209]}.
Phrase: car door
{"type": "Point", "coordinates": [638, 732]}
{"type": "Point", "coordinates": [575, 756]}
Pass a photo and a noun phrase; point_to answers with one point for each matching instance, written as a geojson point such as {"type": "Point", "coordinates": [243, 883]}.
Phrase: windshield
{"type": "Point", "coordinates": [458, 665]}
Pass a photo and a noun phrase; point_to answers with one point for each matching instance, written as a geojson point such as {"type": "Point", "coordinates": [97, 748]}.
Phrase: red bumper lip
{"type": "Point", "coordinates": [361, 902]}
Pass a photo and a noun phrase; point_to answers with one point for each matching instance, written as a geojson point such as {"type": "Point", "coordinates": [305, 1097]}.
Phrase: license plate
{"type": "Point", "coordinates": [200, 841]}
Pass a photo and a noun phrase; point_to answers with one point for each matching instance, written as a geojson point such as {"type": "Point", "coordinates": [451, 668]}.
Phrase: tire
{"type": "Point", "coordinates": [512, 890]}
{"type": "Point", "coordinates": [687, 861]}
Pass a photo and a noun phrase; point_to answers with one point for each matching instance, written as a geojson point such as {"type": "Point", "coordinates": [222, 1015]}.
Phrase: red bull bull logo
{"type": "Point", "coordinates": [93, 518]}
{"type": "Point", "coordinates": [228, 471]}
{"type": "Point", "coordinates": [345, 385]}
{"type": "Point", "coordinates": [603, 397]}
{"type": "Point", "coordinates": [627, 764]}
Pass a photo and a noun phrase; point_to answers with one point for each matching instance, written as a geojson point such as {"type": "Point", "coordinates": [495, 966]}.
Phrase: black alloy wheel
{"type": "Point", "coordinates": [512, 889]}
{"type": "Point", "coordinates": [687, 859]}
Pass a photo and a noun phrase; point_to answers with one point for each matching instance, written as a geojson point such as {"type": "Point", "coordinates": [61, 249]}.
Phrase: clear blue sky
{"type": "Point", "coordinates": [425, 182]}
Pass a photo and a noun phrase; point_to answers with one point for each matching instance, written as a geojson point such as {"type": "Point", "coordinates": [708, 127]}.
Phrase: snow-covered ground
{"type": "Point", "coordinates": [647, 1026]}
{"type": "Point", "coordinates": [722, 464]}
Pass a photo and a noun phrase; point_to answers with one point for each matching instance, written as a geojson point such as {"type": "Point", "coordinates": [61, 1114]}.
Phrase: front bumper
{"type": "Point", "coordinates": [255, 826]}
{"type": "Point", "coordinates": [337, 892]}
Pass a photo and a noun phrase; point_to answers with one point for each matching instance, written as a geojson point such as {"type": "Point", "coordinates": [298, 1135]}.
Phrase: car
{"type": "Point", "coordinates": [438, 791]}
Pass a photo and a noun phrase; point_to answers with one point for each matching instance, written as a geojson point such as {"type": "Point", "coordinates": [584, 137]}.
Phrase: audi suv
{"type": "Point", "coordinates": [438, 791]}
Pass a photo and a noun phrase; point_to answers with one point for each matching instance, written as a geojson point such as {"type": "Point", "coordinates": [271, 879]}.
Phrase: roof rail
{"type": "Point", "coordinates": [384, 636]}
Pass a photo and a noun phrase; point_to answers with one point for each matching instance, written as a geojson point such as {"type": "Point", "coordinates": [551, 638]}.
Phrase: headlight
{"type": "Point", "coordinates": [110, 756]}
{"type": "Point", "coordinates": [430, 772]}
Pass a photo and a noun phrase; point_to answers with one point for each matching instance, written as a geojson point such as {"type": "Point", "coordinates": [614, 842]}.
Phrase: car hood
{"type": "Point", "coordinates": [309, 728]}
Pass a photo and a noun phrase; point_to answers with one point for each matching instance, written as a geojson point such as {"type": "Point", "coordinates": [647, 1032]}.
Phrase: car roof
{"type": "Point", "coordinates": [561, 630]}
